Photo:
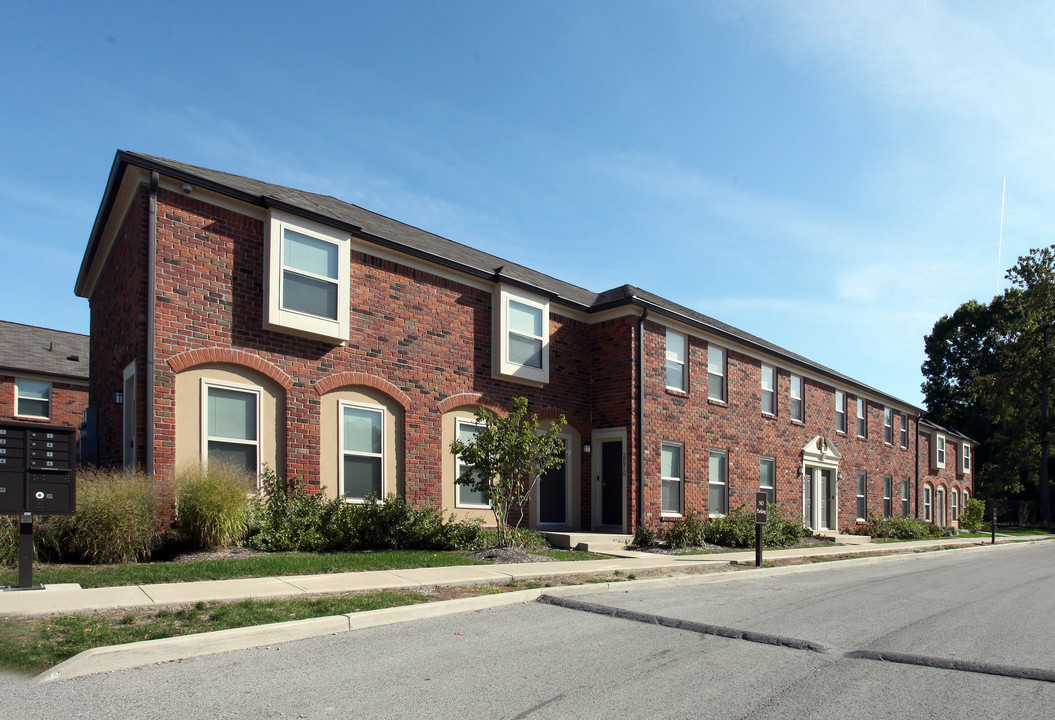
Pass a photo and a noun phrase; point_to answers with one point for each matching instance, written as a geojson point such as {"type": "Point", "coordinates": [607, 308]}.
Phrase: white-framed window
{"type": "Point", "coordinates": [672, 473]}
{"type": "Point", "coordinates": [927, 503]}
{"type": "Point", "coordinates": [308, 271]}
{"type": "Point", "coordinates": [840, 411]}
{"type": "Point", "coordinates": [904, 430]}
{"type": "Point", "coordinates": [362, 450]}
{"type": "Point", "coordinates": [965, 458]}
{"type": "Point", "coordinates": [231, 424]}
{"type": "Point", "coordinates": [465, 496]}
{"type": "Point", "coordinates": [767, 476]}
{"type": "Point", "coordinates": [716, 389]}
{"type": "Point", "coordinates": [521, 335]}
{"type": "Point", "coordinates": [32, 399]}
{"type": "Point", "coordinates": [954, 503]}
{"type": "Point", "coordinates": [888, 502]}
{"type": "Point", "coordinates": [718, 480]}
{"type": "Point", "coordinates": [966, 498]}
{"type": "Point", "coordinates": [939, 450]}
{"type": "Point", "coordinates": [888, 426]}
{"type": "Point", "coordinates": [862, 418]}
{"type": "Point", "coordinates": [677, 354]}
{"type": "Point", "coordinates": [862, 485]}
{"type": "Point", "coordinates": [798, 407]}
{"type": "Point", "coordinates": [904, 497]}
{"type": "Point", "coordinates": [769, 390]}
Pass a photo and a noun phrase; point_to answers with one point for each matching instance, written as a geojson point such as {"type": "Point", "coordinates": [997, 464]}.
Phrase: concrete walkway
{"type": "Point", "coordinates": [61, 599]}
{"type": "Point", "coordinates": [69, 598]}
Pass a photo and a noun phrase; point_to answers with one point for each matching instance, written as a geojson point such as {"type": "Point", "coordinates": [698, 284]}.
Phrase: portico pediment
{"type": "Point", "coordinates": [821, 452]}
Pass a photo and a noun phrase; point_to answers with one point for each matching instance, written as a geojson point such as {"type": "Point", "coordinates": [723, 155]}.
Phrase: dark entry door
{"type": "Point", "coordinates": [612, 483]}
{"type": "Point", "coordinates": [553, 493]}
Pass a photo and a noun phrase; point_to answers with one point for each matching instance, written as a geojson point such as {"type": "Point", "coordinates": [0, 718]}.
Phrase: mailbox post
{"type": "Point", "coordinates": [37, 477]}
{"type": "Point", "coordinates": [761, 501]}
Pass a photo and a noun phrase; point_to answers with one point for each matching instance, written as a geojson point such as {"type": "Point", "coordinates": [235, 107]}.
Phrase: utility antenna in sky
{"type": "Point", "coordinates": [1000, 247]}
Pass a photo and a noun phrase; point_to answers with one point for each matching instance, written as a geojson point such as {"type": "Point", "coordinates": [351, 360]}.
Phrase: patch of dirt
{"type": "Point", "coordinates": [509, 555]}
{"type": "Point", "coordinates": [231, 553]}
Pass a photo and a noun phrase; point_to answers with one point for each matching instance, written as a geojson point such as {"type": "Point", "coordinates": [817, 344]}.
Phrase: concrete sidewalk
{"type": "Point", "coordinates": [65, 599]}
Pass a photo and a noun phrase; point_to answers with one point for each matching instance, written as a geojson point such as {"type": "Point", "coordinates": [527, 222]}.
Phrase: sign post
{"type": "Point", "coordinates": [761, 501]}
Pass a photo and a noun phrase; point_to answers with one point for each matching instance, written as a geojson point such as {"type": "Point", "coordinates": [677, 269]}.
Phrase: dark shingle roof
{"type": "Point", "coordinates": [407, 239]}
{"type": "Point", "coordinates": [31, 349]}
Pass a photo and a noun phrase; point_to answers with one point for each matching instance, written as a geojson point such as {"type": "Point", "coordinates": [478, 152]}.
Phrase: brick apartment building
{"type": "Point", "coordinates": [43, 375]}
{"type": "Point", "coordinates": [256, 323]}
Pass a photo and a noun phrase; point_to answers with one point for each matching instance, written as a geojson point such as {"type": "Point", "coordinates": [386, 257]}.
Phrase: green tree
{"type": "Point", "coordinates": [506, 459]}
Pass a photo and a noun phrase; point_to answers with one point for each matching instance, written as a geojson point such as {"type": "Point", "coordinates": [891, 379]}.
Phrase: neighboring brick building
{"type": "Point", "coordinates": [946, 473]}
{"type": "Point", "coordinates": [43, 375]}
{"type": "Point", "coordinates": [261, 324]}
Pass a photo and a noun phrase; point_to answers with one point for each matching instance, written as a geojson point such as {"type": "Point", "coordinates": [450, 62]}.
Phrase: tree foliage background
{"type": "Point", "coordinates": [989, 374]}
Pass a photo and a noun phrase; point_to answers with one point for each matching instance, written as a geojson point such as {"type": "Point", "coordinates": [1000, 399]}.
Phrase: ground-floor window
{"type": "Point", "coordinates": [671, 475]}
{"type": "Point", "coordinates": [862, 483]}
{"type": "Point", "coordinates": [362, 451]}
{"type": "Point", "coordinates": [888, 488]}
{"type": "Point", "coordinates": [718, 480]}
{"type": "Point", "coordinates": [954, 503]}
{"type": "Point", "coordinates": [231, 426]}
{"type": "Point", "coordinates": [767, 479]}
{"type": "Point", "coordinates": [467, 497]}
{"type": "Point", "coordinates": [904, 498]}
{"type": "Point", "coordinates": [926, 503]}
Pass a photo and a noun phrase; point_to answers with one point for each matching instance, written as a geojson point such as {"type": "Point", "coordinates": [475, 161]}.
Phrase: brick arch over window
{"type": "Point", "coordinates": [552, 413]}
{"type": "Point", "coordinates": [462, 399]}
{"type": "Point", "coordinates": [344, 379]}
{"type": "Point", "coordinates": [192, 358]}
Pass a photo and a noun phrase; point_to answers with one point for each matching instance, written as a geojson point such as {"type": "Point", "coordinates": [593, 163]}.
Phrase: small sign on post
{"type": "Point", "coordinates": [761, 503]}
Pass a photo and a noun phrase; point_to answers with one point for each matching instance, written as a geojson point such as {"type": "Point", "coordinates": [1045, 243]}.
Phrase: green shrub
{"type": "Point", "coordinates": [683, 532]}
{"type": "Point", "coordinates": [116, 519]}
{"type": "Point", "coordinates": [286, 517]}
{"type": "Point", "coordinates": [972, 518]}
{"type": "Point", "coordinates": [8, 541]}
{"type": "Point", "coordinates": [901, 528]}
{"type": "Point", "coordinates": [644, 536]}
{"type": "Point", "coordinates": [212, 505]}
{"type": "Point", "coordinates": [735, 529]}
{"type": "Point", "coordinates": [781, 529]}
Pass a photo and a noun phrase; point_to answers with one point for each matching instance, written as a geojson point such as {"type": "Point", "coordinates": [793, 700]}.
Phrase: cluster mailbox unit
{"type": "Point", "coordinates": [37, 477]}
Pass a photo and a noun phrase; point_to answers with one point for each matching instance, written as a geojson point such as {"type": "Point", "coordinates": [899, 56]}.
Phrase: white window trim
{"type": "Point", "coordinates": [51, 399]}
{"type": "Point", "coordinates": [965, 459]}
{"type": "Point", "coordinates": [773, 463]}
{"type": "Point", "coordinates": [207, 383]}
{"type": "Point", "coordinates": [905, 500]}
{"type": "Point", "coordinates": [772, 391]}
{"type": "Point", "coordinates": [295, 322]}
{"type": "Point", "coordinates": [940, 450]}
{"type": "Point", "coordinates": [888, 426]}
{"type": "Point", "coordinates": [928, 494]}
{"type": "Point", "coordinates": [684, 363]}
{"type": "Point", "coordinates": [502, 366]}
{"type": "Point", "coordinates": [793, 397]}
{"type": "Point", "coordinates": [862, 494]}
{"type": "Point", "coordinates": [904, 430]}
{"type": "Point", "coordinates": [710, 482]}
{"type": "Point", "coordinates": [458, 423]}
{"type": "Point", "coordinates": [679, 480]}
{"type": "Point", "coordinates": [862, 417]}
{"type": "Point", "coordinates": [840, 410]}
{"type": "Point", "coordinates": [954, 504]}
{"type": "Point", "coordinates": [723, 372]}
{"type": "Point", "coordinates": [341, 405]}
{"type": "Point", "coordinates": [888, 495]}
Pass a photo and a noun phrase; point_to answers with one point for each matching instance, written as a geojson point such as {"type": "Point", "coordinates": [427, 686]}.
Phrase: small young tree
{"type": "Point", "coordinates": [506, 458]}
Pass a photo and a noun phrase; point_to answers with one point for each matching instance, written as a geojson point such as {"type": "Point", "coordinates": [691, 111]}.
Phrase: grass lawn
{"type": "Point", "coordinates": [31, 645]}
{"type": "Point", "coordinates": [290, 563]}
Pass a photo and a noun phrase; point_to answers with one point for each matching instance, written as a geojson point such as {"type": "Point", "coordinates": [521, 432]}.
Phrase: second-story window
{"type": "Point", "coordinates": [715, 373]}
{"type": "Point", "coordinates": [795, 395]}
{"type": "Point", "coordinates": [677, 345]}
{"type": "Point", "coordinates": [521, 334]}
{"type": "Point", "coordinates": [939, 452]}
{"type": "Point", "coordinates": [769, 390]}
{"type": "Point", "coordinates": [32, 399]}
{"type": "Point", "coordinates": [904, 430]}
{"type": "Point", "coordinates": [888, 426]}
{"type": "Point", "coordinates": [840, 411]}
{"type": "Point", "coordinates": [965, 452]}
{"type": "Point", "coordinates": [862, 418]}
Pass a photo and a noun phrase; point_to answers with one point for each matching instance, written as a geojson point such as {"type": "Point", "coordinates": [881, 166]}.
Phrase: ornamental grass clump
{"type": "Point", "coordinates": [212, 505]}
{"type": "Point", "coordinates": [116, 519]}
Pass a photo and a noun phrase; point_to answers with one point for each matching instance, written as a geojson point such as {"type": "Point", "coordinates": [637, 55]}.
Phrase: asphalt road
{"type": "Point", "coordinates": [671, 653]}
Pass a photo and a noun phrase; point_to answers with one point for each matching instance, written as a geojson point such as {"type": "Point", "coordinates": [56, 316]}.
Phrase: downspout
{"type": "Point", "coordinates": [918, 418]}
{"type": "Point", "coordinates": [641, 415]}
{"type": "Point", "coordinates": [152, 254]}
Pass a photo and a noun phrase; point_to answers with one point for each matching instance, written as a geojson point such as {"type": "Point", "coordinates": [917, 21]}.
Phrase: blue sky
{"type": "Point", "coordinates": [826, 175]}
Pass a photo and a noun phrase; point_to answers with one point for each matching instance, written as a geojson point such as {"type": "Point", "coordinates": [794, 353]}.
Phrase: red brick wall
{"type": "Point", "coordinates": [948, 477]}
{"type": "Point", "coordinates": [67, 402]}
{"type": "Point", "coordinates": [741, 429]}
{"type": "Point", "coordinates": [118, 332]}
{"type": "Point", "coordinates": [429, 336]}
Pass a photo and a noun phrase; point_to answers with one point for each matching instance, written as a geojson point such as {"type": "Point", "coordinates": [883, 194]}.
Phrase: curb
{"type": "Point", "coordinates": [148, 652]}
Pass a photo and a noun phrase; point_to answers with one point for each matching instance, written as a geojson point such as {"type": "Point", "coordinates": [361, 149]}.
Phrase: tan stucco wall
{"type": "Point", "coordinates": [189, 413]}
{"type": "Point", "coordinates": [330, 446]}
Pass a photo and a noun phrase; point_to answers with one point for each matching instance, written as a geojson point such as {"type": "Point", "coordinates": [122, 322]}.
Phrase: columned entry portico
{"type": "Point", "coordinates": [820, 484]}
